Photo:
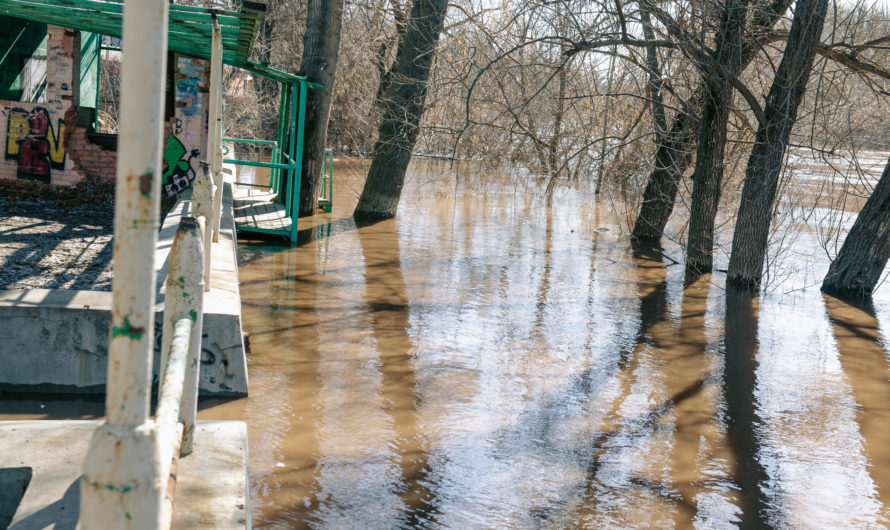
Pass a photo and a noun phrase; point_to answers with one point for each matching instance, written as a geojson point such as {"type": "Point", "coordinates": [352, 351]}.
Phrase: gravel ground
{"type": "Point", "coordinates": [52, 245]}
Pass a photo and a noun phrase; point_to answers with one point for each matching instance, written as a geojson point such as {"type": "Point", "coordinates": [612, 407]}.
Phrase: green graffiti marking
{"type": "Point", "coordinates": [193, 314]}
{"type": "Point", "coordinates": [173, 160]}
{"type": "Point", "coordinates": [178, 173]}
{"type": "Point", "coordinates": [127, 330]}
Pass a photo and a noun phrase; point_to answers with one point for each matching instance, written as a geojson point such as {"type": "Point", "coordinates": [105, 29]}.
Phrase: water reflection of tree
{"type": "Point", "coordinates": [387, 301]}
{"type": "Point", "coordinates": [739, 384]}
{"type": "Point", "coordinates": [864, 361]}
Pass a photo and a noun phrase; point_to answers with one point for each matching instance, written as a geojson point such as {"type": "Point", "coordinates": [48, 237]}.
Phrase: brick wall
{"type": "Point", "coordinates": [89, 159]}
{"type": "Point", "coordinates": [34, 141]}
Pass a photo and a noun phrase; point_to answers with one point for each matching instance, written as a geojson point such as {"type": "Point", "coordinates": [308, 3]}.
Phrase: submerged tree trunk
{"type": "Point", "coordinates": [708, 174]}
{"type": "Point", "coordinates": [321, 45]}
{"type": "Point", "coordinates": [749, 243]}
{"type": "Point", "coordinates": [404, 100]}
{"type": "Point", "coordinates": [855, 271]}
{"type": "Point", "coordinates": [672, 157]}
{"type": "Point", "coordinates": [674, 150]}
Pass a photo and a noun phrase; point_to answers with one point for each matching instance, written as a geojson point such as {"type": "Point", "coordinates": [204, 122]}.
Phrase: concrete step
{"type": "Point", "coordinates": [212, 482]}
{"type": "Point", "coordinates": [65, 332]}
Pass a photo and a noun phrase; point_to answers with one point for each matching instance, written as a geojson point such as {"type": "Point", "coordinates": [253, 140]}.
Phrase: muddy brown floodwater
{"type": "Point", "coordinates": [485, 360]}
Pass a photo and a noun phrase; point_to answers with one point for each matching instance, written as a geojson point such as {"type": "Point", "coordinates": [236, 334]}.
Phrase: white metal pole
{"type": "Point", "coordinates": [215, 128]}
{"type": "Point", "coordinates": [121, 485]}
{"type": "Point", "coordinates": [202, 209]}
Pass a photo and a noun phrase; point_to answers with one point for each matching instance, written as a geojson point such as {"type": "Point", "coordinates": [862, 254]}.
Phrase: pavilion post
{"type": "Point", "coordinates": [122, 486]}
{"type": "Point", "coordinates": [214, 129]}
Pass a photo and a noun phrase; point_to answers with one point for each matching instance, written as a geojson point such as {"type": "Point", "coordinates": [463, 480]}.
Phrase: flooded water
{"type": "Point", "coordinates": [487, 360]}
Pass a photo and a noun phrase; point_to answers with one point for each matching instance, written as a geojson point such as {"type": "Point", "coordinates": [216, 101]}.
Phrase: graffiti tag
{"type": "Point", "coordinates": [31, 141]}
{"type": "Point", "coordinates": [178, 171]}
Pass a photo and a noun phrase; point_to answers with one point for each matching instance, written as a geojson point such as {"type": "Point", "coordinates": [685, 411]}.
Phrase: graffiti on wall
{"type": "Point", "coordinates": [187, 136]}
{"type": "Point", "coordinates": [189, 79]}
{"type": "Point", "coordinates": [31, 140]}
{"type": "Point", "coordinates": [179, 173]}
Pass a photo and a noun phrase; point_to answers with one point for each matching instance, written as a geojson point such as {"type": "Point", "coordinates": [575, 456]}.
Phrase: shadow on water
{"type": "Point", "coordinates": [743, 422]}
{"type": "Point", "coordinates": [388, 305]}
{"type": "Point", "coordinates": [864, 359]}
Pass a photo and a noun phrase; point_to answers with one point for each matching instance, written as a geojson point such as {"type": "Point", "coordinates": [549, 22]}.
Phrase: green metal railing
{"type": "Point", "coordinates": [326, 197]}
{"type": "Point", "coordinates": [287, 150]}
{"type": "Point", "coordinates": [271, 165]}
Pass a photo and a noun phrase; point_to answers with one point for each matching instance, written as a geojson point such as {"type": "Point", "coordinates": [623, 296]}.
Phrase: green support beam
{"type": "Point", "coordinates": [189, 30]}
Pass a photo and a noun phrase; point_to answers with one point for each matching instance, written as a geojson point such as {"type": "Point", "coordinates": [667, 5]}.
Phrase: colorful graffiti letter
{"type": "Point", "coordinates": [178, 172]}
{"type": "Point", "coordinates": [30, 140]}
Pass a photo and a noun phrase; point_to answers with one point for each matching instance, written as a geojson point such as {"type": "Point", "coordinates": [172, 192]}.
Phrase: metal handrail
{"type": "Point", "coordinates": [257, 164]}
{"type": "Point", "coordinates": [180, 354]}
{"type": "Point", "coordinates": [249, 141]}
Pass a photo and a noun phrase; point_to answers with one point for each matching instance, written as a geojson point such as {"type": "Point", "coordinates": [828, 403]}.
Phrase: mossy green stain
{"type": "Point", "coordinates": [127, 330]}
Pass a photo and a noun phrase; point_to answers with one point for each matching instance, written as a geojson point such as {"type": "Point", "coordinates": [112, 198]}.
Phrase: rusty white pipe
{"type": "Point", "coordinates": [172, 385]}
{"type": "Point", "coordinates": [169, 428]}
{"type": "Point", "coordinates": [180, 350]}
{"type": "Point", "coordinates": [170, 395]}
{"type": "Point", "coordinates": [122, 485]}
{"type": "Point", "coordinates": [202, 209]}
{"type": "Point", "coordinates": [186, 281]}
{"type": "Point", "coordinates": [215, 128]}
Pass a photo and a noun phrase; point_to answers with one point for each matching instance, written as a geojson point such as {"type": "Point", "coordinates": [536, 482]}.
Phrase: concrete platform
{"type": "Point", "coordinates": [57, 340]}
{"type": "Point", "coordinates": [212, 482]}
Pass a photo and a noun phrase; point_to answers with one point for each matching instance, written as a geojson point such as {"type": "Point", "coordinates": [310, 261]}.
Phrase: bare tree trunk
{"type": "Point", "coordinates": [855, 271]}
{"type": "Point", "coordinates": [655, 81]}
{"type": "Point", "coordinates": [672, 158]}
{"type": "Point", "coordinates": [266, 90]}
{"type": "Point", "coordinates": [749, 243]}
{"type": "Point", "coordinates": [674, 151]}
{"type": "Point", "coordinates": [321, 45]}
{"type": "Point", "coordinates": [384, 73]}
{"type": "Point", "coordinates": [601, 168]}
{"type": "Point", "coordinates": [404, 100]}
{"type": "Point", "coordinates": [708, 174]}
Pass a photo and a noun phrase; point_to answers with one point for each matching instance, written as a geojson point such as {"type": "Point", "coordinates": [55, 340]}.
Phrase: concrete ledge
{"type": "Point", "coordinates": [212, 482]}
{"type": "Point", "coordinates": [57, 340]}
